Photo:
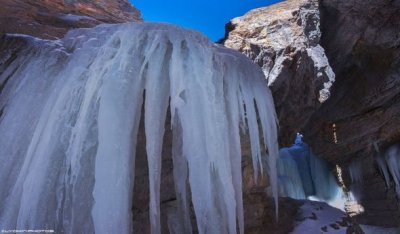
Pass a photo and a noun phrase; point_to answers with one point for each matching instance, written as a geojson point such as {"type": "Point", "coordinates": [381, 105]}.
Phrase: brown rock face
{"type": "Point", "coordinates": [53, 18]}
{"type": "Point", "coordinates": [361, 41]}
{"type": "Point", "coordinates": [284, 40]}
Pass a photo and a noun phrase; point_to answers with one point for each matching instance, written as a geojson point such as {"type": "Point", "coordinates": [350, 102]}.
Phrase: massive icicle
{"type": "Point", "coordinates": [71, 112]}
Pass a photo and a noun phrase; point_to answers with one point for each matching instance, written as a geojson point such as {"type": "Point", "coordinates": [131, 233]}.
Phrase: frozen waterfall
{"type": "Point", "coordinates": [70, 116]}
{"type": "Point", "coordinates": [302, 175]}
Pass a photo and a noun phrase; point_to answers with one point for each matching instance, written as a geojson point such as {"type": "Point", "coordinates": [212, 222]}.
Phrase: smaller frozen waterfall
{"type": "Point", "coordinates": [302, 175]}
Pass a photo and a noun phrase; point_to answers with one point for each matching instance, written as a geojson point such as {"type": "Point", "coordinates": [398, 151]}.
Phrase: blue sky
{"type": "Point", "coordinates": [209, 17]}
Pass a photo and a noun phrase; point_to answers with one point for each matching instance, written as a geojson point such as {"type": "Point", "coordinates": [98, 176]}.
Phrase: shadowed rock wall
{"type": "Point", "coordinates": [360, 42]}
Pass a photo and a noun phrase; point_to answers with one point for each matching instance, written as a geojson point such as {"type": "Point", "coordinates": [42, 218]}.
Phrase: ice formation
{"type": "Point", "coordinates": [70, 116]}
{"type": "Point", "coordinates": [355, 170]}
{"type": "Point", "coordinates": [302, 175]}
{"type": "Point", "coordinates": [389, 163]}
{"type": "Point", "coordinates": [356, 176]}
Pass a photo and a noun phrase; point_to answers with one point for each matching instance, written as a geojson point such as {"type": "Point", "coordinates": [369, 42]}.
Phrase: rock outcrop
{"type": "Point", "coordinates": [53, 18]}
{"type": "Point", "coordinates": [284, 39]}
{"type": "Point", "coordinates": [360, 41]}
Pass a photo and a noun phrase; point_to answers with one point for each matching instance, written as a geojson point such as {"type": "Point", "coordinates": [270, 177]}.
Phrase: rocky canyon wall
{"type": "Point", "coordinates": [359, 42]}
{"type": "Point", "coordinates": [362, 42]}
{"type": "Point", "coordinates": [284, 39]}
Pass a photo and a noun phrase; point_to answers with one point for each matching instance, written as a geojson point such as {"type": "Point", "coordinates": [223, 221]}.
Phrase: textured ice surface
{"type": "Point", "coordinates": [71, 110]}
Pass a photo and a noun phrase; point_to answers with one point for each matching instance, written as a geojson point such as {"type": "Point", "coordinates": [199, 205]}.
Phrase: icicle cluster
{"type": "Point", "coordinates": [355, 171]}
{"type": "Point", "coordinates": [356, 176]}
{"type": "Point", "coordinates": [389, 163]}
{"type": "Point", "coordinates": [71, 111]}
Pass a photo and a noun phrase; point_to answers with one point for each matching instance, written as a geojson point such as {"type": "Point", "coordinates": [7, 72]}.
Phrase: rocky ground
{"type": "Point", "coordinates": [318, 217]}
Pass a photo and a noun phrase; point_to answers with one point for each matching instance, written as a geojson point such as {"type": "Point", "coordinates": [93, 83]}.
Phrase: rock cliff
{"type": "Point", "coordinates": [356, 45]}
{"type": "Point", "coordinates": [53, 18]}
{"type": "Point", "coordinates": [361, 39]}
{"type": "Point", "coordinates": [284, 39]}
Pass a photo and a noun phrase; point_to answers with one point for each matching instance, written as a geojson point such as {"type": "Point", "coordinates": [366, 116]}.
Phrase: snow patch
{"type": "Point", "coordinates": [74, 18]}
{"type": "Point", "coordinates": [318, 217]}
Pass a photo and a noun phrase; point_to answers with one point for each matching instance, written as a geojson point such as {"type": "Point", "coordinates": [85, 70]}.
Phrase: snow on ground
{"type": "Point", "coordinates": [319, 217]}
